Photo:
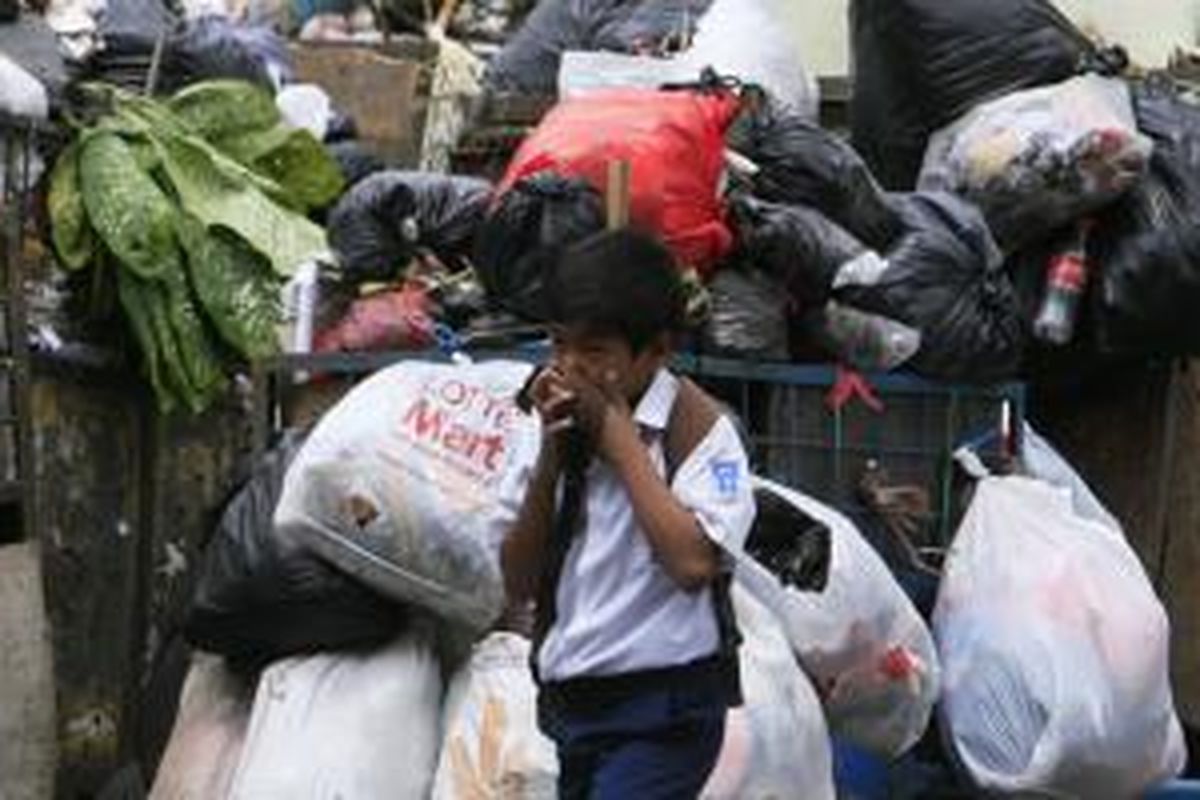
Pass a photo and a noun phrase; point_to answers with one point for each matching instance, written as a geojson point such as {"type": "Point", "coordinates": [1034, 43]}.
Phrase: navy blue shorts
{"type": "Point", "coordinates": [660, 743]}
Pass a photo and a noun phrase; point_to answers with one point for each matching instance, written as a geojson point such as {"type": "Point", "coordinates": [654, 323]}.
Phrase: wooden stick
{"type": "Point", "coordinates": [617, 198]}
{"type": "Point", "coordinates": [445, 15]}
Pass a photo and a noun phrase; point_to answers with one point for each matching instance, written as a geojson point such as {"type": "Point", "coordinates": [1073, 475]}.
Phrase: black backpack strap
{"type": "Point", "coordinates": [567, 521]}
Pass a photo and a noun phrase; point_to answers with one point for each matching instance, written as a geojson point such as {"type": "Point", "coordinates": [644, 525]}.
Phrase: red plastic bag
{"type": "Point", "coordinates": [397, 319]}
{"type": "Point", "coordinates": [674, 142]}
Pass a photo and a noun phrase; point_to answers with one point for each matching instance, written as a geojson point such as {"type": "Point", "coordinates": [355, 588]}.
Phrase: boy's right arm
{"type": "Point", "coordinates": [523, 551]}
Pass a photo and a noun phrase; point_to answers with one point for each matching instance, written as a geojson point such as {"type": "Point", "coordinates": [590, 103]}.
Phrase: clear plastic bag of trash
{"type": "Point", "coordinates": [1038, 159]}
{"type": "Point", "coordinates": [403, 485]}
{"type": "Point", "coordinates": [858, 636]}
{"type": "Point", "coordinates": [492, 746]}
{"type": "Point", "coordinates": [1055, 663]}
{"type": "Point", "coordinates": [777, 741]}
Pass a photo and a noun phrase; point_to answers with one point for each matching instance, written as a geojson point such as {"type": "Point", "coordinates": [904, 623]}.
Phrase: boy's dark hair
{"type": "Point", "coordinates": [617, 283]}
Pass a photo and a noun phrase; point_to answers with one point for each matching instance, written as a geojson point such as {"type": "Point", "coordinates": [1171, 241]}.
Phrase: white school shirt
{"type": "Point", "coordinates": [618, 610]}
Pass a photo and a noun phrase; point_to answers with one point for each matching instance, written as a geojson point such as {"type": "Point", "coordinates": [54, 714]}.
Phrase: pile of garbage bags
{"type": "Point", "coordinates": [356, 577]}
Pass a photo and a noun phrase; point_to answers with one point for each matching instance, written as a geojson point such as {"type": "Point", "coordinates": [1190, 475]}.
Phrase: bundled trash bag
{"type": "Point", "coordinates": [402, 485]}
{"type": "Point", "coordinates": [753, 41]}
{"type": "Point", "coordinates": [215, 46]}
{"type": "Point", "coordinates": [943, 277]}
{"type": "Point", "coordinates": [776, 744]}
{"type": "Point", "coordinates": [797, 246]}
{"type": "Point", "coordinates": [353, 725]}
{"type": "Point", "coordinates": [1056, 666]}
{"type": "Point", "coordinates": [674, 143]}
{"type": "Point", "coordinates": [919, 65]}
{"type": "Point", "coordinates": [492, 747]}
{"type": "Point", "coordinates": [801, 164]}
{"type": "Point", "coordinates": [1146, 247]}
{"type": "Point", "coordinates": [392, 319]}
{"type": "Point", "coordinates": [260, 597]}
{"type": "Point", "coordinates": [209, 46]}
{"type": "Point", "coordinates": [206, 742]}
{"type": "Point", "coordinates": [387, 219]}
{"type": "Point", "coordinates": [522, 233]}
{"type": "Point", "coordinates": [747, 315]}
{"type": "Point", "coordinates": [529, 62]}
{"type": "Point", "coordinates": [858, 636]}
{"type": "Point", "coordinates": [1036, 160]}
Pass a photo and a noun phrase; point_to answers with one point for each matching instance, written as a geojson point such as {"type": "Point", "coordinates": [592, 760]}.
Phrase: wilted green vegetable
{"type": "Point", "coordinates": [191, 205]}
{"type": "Point", "coordinates": [214, 194]}
{"type": "Point", "coordinates": [131, 214]}
{"type": "Point", "coordinates": [70, 231]}
{"type": "Point", "coordinates": [236, 288]}
{"type": "Point", "coordinates": [223, 108]}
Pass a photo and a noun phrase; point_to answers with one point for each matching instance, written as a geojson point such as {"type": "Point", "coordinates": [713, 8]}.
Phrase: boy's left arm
{"type": "Point", "coordinates": [681, 535]}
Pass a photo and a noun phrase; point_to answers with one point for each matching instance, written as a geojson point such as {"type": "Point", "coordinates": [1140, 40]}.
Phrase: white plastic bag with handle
{"type": "Point", "coordinates": [361, 726]}
{"type": "Point", "coordinates": [401, 484]}
{"type": "Point", "coordinates": [776, 744]}
{"type": "Point", "coordinates": [860, 638]}
{"type": "Point", "coordinates": [492, 747]}
{"type": "Point", "coordinates": [1054, 651]}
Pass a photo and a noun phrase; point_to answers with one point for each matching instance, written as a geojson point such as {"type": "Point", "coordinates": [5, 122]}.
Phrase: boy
{"type": "Point", "coordinates": [639, 485]}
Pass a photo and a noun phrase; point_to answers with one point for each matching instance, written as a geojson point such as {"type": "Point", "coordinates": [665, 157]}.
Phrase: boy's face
{"type": "Point", "coordinates": [608, 361]}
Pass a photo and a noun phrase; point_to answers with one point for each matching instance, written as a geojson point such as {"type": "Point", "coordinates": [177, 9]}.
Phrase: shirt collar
{"type": "Point", "coordinates": [654, 409]}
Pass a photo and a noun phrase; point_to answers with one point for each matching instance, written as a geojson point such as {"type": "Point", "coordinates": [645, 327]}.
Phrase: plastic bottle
{"type": "Point", "coordinates": [1066, 280]}
{"type": "Point", "coordinates": [865, 341]}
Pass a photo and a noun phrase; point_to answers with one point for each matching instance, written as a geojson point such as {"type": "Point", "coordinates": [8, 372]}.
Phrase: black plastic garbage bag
{"type": "Point", "coordinates": [204, 48]}
{"type": "Point", "coordinates": [539, 215]}
{"type": "Point", "coordinates": [260, 598]}
{"type": "Point", "coordinates": [793, 546]}
{"type": "Point", "coordinates": [943, 277]}
{"type": "Point", "coordinates": [800, 163]}
{"type": "Point", "coordinates": [386, 219]}
{"type": "Point", "coordinates": [920, 64]}
{"type": "Point", "coordinates": [797, 246]}
{"type": "Point", "coordinates": [530, 60]}
{"type": "Point", "coordinates": [217, 47]}
{"type": "Point", "coordinates": [1147, 246]}
{"type": "Point", "coordinates": [748, 315]}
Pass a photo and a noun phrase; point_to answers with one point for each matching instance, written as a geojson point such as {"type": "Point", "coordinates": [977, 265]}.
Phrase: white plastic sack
{"type": "Point", "coordinates": [752, 40]}
{"type": "Point", "coordinates": [206, 741]}
{"type": "Point", "coordinates": [776, 745]}
{"type": "Point", "coordinates": [400, 484]}
{"type": "Point", "coordinates": [1040, 460]}
{"type": "Point", "coordinates": [1054, 650]}
{"type": "Point", "coordinates": [860, 639]}
{"type": "Point", "coordinates": [352, 726]}
{"type": "Point", "coordinates": [492, 747]}
{"type": "Point", "coordinates": [1039, 159]}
